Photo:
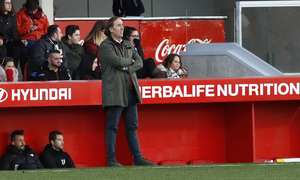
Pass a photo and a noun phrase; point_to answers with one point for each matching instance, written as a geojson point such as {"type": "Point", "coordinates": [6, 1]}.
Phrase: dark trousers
{"type": "Point", "coordinates": [130, 117]}
{"type": "Point", "coordinates": [19, 53]}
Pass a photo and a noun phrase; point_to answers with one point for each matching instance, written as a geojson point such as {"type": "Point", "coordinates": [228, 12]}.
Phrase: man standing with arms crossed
{"type": "Point", "coordinates": [120, 90]}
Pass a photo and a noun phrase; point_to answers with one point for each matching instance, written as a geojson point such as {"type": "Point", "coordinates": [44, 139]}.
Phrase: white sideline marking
{"type": "Point", "coordinates": [32, 171]}
{"type": "Point", "coordinates": [155, 167]}
{"type": "Point", "coordinates": [49, 171]}
{"type": "Point", "coordinates": [210, 165]}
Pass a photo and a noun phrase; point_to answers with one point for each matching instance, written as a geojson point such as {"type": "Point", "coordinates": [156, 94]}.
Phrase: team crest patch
{"type": "Point", "coordinates": [63, 161]}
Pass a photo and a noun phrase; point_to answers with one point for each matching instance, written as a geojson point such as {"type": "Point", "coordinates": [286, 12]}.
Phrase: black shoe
{"type": "Point", "coordinates": [142, 162]}
{"type": "Point", "coordinates": [113, 164]}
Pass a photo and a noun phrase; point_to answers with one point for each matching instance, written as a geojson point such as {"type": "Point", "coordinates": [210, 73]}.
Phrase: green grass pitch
{"type": "Point", "coordinates": [206, 171]}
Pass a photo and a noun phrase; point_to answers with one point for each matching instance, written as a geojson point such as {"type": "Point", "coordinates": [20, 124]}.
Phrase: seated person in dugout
{"type": "Point", "coordinates": [53, 155]}
{"type": "Point", "coordinates": [170, 68]}
{"type": "Point", "coordinates": [19, 155]}
{"type": "Point", "coordinates": [51, 69]}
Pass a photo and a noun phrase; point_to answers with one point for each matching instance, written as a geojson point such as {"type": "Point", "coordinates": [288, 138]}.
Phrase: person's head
{"type": "Point", "coordinates": [90, 62]}
{"type": "Point", "coordinates": [54, 59]}
{"type": "Point", "coordinates": [97, 32]}
{"type": "Point", "coordinates": [73, 34]}
{"type": "Point", "coordinates": [87, 65]}
{"type": "Point", "coordinates": [17, 139]}
{"type": "Point", "coordinates": [173, 61]}
{"type": "Point", "coordinates": [56, 140]}
{"type": "Point", "coordinates": [114, 28]}
{"type": "Point", "coordinates": [130, 33]}
{"type": "Point", "coordinates": [6, 6]}
{"type": "Point", "coordinates": [32, 6]}
{"type": "Point", "coordinates": [54, 33]}
{"type": "Point", "coordinates": [7, 63]}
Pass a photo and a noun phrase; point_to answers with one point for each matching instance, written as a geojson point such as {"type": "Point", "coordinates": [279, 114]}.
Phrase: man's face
{"type": "Point", "coordinates": [58, 144]}
{"type": "Point", "coordinates": [117, 29]}
{"type": "Point", "coordinates": [55, 60]}
{"type": "Point", "coordinates": [75, 38]}
{"type": "Point", "coordinates": [58, 35]}
{"type": "Point", "coordinates": [19, 142]}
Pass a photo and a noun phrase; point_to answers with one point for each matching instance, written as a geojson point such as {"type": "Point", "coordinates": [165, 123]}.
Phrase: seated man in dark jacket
{"type": "Point", "coordinates": [18, 155]}
{"type": "Point", "coordinates": [51, 69]}
{"type": "Point", "coordinates": [49, 41]}
{"type": "Point", "coordinates": [53, 156]}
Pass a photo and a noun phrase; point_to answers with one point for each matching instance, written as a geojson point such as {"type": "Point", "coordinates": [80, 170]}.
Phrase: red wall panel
{"type": "Point", "coordinates": [277, 130]}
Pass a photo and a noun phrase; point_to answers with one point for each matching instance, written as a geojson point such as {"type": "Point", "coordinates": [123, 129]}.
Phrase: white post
{"type": "Point", "coordinates": [47, 6]}
{"type": "Point", "coordinates": [238, 21]}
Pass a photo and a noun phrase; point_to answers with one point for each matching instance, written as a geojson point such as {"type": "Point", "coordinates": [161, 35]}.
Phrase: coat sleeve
{"type": "Point", "coordinates": [40, 76]}
{"type": "Point", "coordinates": [22, 28]}
{"type": "Point", "coordinates": [107, 54]}
{"type": "Point", "coordinates": [46, 24]}
{"type": "Point", "coordinates": [16, 74]}
{"type": "Point", "coordinates": [14, 29]}
{"type": "Point", "coordinates": [65, 59]}
{"type": "Point", "coordinates": [138, 62]}
{"type": "Point", "coordinates": [39, 54]}
{"type": "Point", "coordinates": [47, 160]}
{"type": "Point", "coordinates": [70, 163]}
{"type": "Point", "coordinates": [5, 163]}
{"type": "Point", "coordinates": [38, 162]}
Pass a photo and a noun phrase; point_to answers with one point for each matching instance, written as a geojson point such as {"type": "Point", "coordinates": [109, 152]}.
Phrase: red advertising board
{"type": "Point", "coordinates": [164, 91]}
{"type": "Point", "coordinates": [161, 37]}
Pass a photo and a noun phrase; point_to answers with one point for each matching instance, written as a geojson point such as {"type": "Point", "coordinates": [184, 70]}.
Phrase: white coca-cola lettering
{"type": "Point", "coordinates": [165, 49]}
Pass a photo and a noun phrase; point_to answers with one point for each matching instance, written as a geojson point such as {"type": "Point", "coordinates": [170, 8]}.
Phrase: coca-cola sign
{"type": "Point", "coordinates": [160, 38]}
{"type": "Point", "coordinates": [164, 48]}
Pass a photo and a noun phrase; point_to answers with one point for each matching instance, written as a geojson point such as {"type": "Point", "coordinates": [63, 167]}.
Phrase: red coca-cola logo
{"type": "Point", "coordinates": [164, 48]}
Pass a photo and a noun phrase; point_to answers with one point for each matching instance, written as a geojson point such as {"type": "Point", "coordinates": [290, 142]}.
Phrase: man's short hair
{"type": "Point", "coordinates": [70, 30]}
{"type": "Point", "coordinates": [52, 30]}
{"type": "Point", "coordinates": [16, 132]}
{"type": "Point", "coordinates": [110, 23]}
{"type": "Point", "coordinates": [52, 135]}
{"type": "Point", "coordinates": [52, 51]}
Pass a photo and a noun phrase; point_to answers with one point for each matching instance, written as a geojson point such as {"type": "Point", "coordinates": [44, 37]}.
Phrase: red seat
{"type": "Point", "coordinates": [80, 165]}
{"type": "Point", "coordinates": [25, 72]}
{"type": "Point", "coordinates": [202, 161]}
{"type": "Point", "coordinates": [173, 162]}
